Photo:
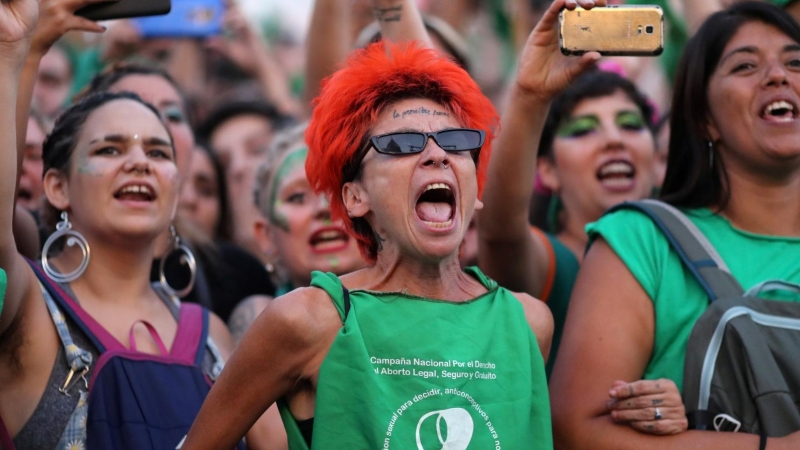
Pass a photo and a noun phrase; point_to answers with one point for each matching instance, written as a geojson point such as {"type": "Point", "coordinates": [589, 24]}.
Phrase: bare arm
{"type": "Point", "coordinates": [267, 433]}
{"type": "Point", "coordinates": [17, 23]}
{"type": "Point", "coordinates": [400, 21]}
{"type": "Point", "coordinates": [329, 42]}
{"type": "Point", "coordinates": [281, 348]}
{"type": "Point", "coordinates": [596, 352]}
{"type": "Point", "coordinates": [541, 321]}
{"type": "Point", "coordinates": [330, 35]}
{"type": "Point", "coordinates": [509, 252]}
{"type": "Point", "coordinates": [26, 233]}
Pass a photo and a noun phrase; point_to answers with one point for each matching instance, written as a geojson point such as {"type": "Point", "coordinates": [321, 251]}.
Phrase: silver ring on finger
{"type": "Point", "coordinates": [658, 414]}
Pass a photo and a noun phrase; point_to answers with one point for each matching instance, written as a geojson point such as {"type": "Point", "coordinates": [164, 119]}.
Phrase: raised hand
{"type": "Point", "coordinates": [650, 406]}
{"type": "Point", "coordinates": [240, 44]}
{"type": "Point", "coordinates": [17, 22]}
{"type": "Point", "coordinates": [56, 18]}
{"type": "Point", "coordinates": [543, 70]}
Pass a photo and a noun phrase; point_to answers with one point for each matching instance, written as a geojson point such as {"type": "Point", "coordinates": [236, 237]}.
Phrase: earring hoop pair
{"type": "Point", "coordinates": [64, 229]}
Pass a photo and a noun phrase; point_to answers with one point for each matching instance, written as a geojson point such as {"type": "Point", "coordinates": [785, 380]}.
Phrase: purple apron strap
{"type": "Point", "coordinates": [153, 333]}
{"type": "Point", "coordinates": [5, 438]}
{"type": "Point", "coordinates": [192, 333]}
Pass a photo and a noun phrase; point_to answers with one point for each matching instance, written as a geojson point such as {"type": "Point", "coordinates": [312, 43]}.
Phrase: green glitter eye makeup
{"type": "Point", "coordinates": [578, 126]}
{"type": "Point", "coordinates": [631, 120]}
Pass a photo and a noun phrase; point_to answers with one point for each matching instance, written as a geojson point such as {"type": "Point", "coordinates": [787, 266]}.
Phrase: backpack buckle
{"type": "Point", "coordinates": [69, 383]}
{"type": "Point", "coordinates": [724, 422]}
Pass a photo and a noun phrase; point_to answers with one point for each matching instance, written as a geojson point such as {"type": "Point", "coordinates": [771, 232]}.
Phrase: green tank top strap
{"type": "Point", "coordinates": [331, 284]}
{"type": "Point", "coordinates": [487, 282]}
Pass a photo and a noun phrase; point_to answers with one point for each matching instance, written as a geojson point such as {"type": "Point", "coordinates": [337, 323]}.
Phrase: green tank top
{"type": "Point", "coordinates": [407, 372]}
{"type": "Point", "coordinates": [678, 300]}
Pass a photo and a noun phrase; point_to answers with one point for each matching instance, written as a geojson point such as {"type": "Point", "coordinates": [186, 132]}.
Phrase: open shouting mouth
{"type": "Point", "coordinates": [617, 175]}
{"type": "Point", "coordinates": [436, 205]}
{"type": "Point", "coordinates": [136, 192]}
{"type": "Point", "coordinates": [329, 240]}
{"type": "Point", "coordinates": [779, 111]}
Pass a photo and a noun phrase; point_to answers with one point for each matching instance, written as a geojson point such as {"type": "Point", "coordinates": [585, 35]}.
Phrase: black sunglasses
{"type": "Point", "coordinates": [410, 142]}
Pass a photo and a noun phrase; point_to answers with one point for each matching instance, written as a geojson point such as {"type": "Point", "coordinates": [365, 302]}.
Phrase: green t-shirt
{"type": "Point", "coordinates": [3, 284]}
{"type": "Point", "coordinates": [407, 372]}
{"type": "Point", "coordinates": [677, 297]}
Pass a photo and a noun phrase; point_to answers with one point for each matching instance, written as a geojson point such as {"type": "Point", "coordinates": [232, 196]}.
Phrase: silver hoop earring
{"type": "Point", "coordinates": [186, 258]}
{"type": "Point", "coordinates": [64, 228]}
{"type": "Point", "coordinates": [710, 154]}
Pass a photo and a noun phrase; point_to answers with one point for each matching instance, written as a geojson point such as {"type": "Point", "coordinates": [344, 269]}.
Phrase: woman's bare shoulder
{"type": "Point", "coordinates": [540, 319]}
{"type": "Point", "coordinates": [304, 314]}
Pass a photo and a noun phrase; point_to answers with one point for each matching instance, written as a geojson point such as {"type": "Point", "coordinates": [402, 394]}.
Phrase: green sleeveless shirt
{"type": "Point", "coordinates": [406, 372]}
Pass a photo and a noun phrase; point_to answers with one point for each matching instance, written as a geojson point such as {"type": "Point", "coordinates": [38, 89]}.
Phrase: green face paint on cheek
{"type": "Point", "coordinates": [334, 262]}
{"type": "Point", "coordinates": [578, 126]}
{"type": "Point", "coordinates": [85, 167]}
{"type": "Point", "coordinates": [292, 161]}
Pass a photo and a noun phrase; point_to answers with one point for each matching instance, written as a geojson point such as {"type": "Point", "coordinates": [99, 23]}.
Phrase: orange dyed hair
{"type": "Point", "coordinates": [351, 101]}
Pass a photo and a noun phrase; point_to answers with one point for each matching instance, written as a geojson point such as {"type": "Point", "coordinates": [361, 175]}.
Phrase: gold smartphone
{"type": "Point", "coordinates": [613, 30]}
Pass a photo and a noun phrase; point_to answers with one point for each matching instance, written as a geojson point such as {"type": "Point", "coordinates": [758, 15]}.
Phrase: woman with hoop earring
{"type": "Point", "coordinates": [89, 320]}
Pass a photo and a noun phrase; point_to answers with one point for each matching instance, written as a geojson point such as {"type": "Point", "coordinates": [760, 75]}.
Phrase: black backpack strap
{"type": "Point", "coordinates": [694, 249]}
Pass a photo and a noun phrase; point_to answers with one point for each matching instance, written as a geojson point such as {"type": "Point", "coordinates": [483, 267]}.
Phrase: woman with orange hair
{"type": "Point", "coordinates": [411, 351]}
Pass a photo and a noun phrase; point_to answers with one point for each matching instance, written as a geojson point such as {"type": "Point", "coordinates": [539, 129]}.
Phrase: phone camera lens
{"type": "Point", "coordinates": [649, 29]}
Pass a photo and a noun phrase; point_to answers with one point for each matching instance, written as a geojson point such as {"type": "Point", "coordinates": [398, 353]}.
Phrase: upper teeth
{"type": "Point", "coordinates": [329, 234]}
{"type": "Point", "coordinates": [437, 186]}
{"type": "Point", "coordinates": [136, 189]}
{"type": "Point", "coordinates": [616, 167]}
{"type": "Point", "coordinates": [781, 104]}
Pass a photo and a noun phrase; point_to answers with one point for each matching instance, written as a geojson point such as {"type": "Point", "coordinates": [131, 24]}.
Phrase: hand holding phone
{"type": "Point", "coordinates": [544, 71]}
{"type": "Point", "coordinates": [57, 17]}
{"type": "Point", "coordinates": [613, 30]}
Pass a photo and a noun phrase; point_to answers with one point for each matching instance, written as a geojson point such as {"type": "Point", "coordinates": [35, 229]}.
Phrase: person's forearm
{"type": "Point", "coordinates": [24, 97]}
{"type": "Point", "coordinates": [602, 434]}
{"type": "Point", "coordinates": [9, 86]}
{"type": "Point", "coordinates": [512, 170]}
{"type": "Point", "coordinates": [400, 21]}
{"type": "Point", "coordinates": [275, 83]}
{"type": "Point", "coordinates": [329, 42]}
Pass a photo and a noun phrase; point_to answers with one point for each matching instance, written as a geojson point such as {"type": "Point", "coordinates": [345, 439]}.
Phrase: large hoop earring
{"type": "Point", "coordinates": [64, 228]}
{"type": "Point", "coordinates": [186, 258]}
